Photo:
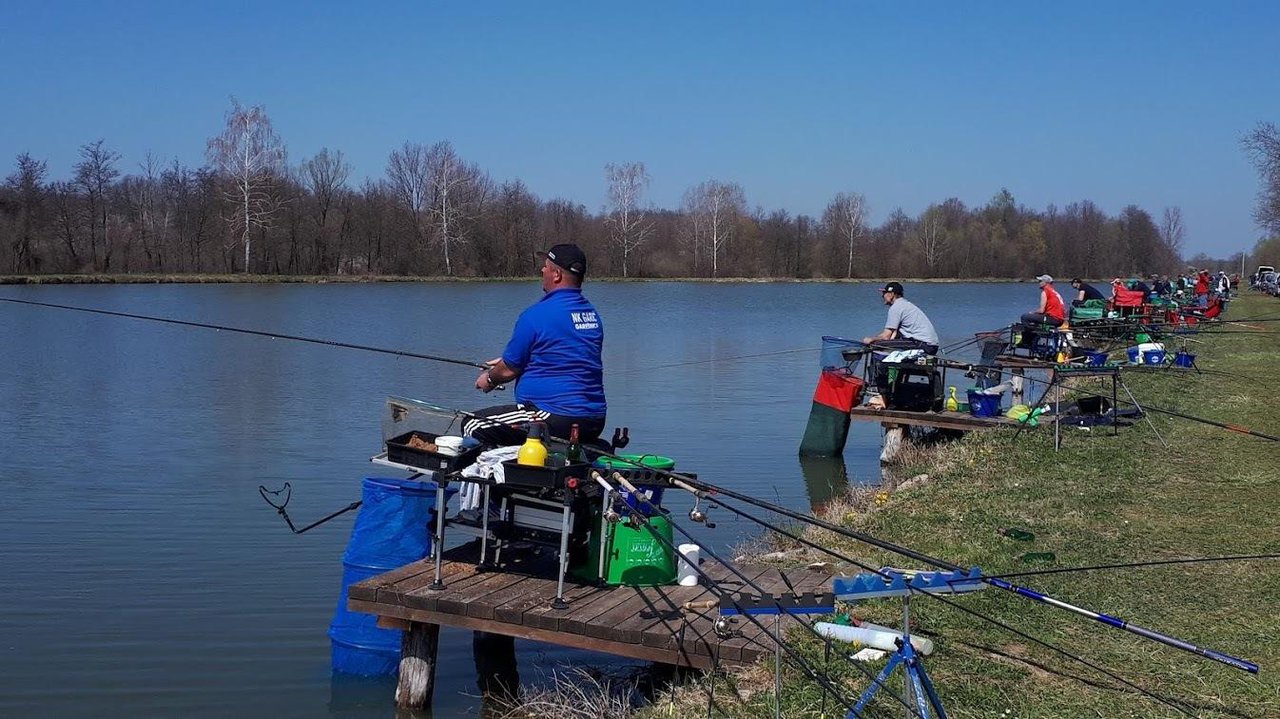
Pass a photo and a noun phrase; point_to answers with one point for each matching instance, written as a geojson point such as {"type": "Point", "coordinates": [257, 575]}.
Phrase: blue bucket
{"type": "Point", "coordinates": [390, 531]}
{"type": "Point", "coordinates": [1153, 357]}
{"type": "Point", "coordinates": [1184, 359]}
{"type": "Point", "coordinates": [1133, 355]}
{"type": "Point", "coordinates": [1095, 359]}
{"type": "Point", "coordinates": [983, 405]}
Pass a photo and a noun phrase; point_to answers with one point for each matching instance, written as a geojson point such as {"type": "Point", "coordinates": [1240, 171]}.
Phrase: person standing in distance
{"type": "Point", "coordinates": [555, 355]}
{"type": "Point", "coordinates": [906, 327]}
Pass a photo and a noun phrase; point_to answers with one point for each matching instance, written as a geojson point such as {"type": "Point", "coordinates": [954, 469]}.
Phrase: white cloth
{"type": "Point", "coordinates": [900, 356]}
{"type": "Point", "coordinates": [487, 466]}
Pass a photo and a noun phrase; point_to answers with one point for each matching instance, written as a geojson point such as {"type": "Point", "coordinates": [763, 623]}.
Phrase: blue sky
{"type": "Point", "coordinates": [906, 102]}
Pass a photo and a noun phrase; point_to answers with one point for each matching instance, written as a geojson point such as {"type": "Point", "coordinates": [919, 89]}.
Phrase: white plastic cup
{"type": "Point", "coordinates": [685, 568]}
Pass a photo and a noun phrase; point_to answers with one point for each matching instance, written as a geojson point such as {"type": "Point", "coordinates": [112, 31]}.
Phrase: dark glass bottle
{"type": "Point", "coordinates": [574, 451]}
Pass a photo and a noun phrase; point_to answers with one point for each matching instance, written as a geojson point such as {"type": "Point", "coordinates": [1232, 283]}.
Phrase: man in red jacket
{"type": "Point", "coordinates": [1052, 311]}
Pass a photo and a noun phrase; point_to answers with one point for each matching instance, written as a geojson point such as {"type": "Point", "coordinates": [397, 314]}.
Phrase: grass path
{"type": "Point", "coordinates": [1102, 499]}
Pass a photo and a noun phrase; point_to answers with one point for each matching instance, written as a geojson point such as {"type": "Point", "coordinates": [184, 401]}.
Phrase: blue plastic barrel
{"type": "Point", "coordinates": [391, 530]}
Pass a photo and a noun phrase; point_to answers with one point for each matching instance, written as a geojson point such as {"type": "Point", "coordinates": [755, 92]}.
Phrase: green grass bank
{"type": "Point", "coordinates": [1101, 499]}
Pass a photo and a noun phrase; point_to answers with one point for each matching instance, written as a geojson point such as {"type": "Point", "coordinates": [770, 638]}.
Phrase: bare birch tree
{"type": "Point", "coordinates": [931, 237]}
{"type": "Point", "coordinates": [629, 224]}
{"type": "Point", "coordinates": [458, 193]}
{"type": "Point", "coordinates": [713, 208]}
{"type": "Point", "coordinates": [250, 154]}
{"type": "Point", "coordinates": [846, 215]}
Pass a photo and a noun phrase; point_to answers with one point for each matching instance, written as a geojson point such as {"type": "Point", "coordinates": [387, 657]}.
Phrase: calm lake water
{"type": "Point", "coordinates": [143, 574]}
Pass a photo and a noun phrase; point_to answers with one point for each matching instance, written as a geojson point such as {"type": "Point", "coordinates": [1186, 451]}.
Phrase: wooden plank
{"type": "Point", "coordinates": [944, 420]}
{"type": "Point", "coordinates": [536, 610]}
{"type": "Point", "coordinates": [608, 625]}
{"type": "Point", "coordinates": [633, 651]}
{"type": "Point", "coordinates": [583, 599]}
{"type": "Point", "coordinates": [424, 597]}
{"type": "Point", "coordinates": [456, 599]}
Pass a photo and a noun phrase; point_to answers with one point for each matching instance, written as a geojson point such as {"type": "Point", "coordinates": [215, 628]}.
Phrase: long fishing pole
{"type": "Point", "coordinates": [955, 605]}
{"type": "Point", "coordinates": [711, 489]}
{"type": "Point", "coordinates": [943, 564]}
{"type": "Point", "coordinates": [257, 333]}
{"type": "Point", "coordinates": [759, 590]}
{"type": "Point", "coordinates": [1136, 565]}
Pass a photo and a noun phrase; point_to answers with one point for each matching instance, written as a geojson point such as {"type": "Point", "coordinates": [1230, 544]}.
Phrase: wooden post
{"type": "Point", "coordinates": [496, 672]}
{"type": "Point", "coordinates": [893, 436]}
{"type": "Point", "coordinates": [417, 666]}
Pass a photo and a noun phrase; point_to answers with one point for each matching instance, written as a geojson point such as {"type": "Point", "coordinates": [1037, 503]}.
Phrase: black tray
{"type": "Point", "coordinates": [522, 475]}
{"type": "Point", "coordinates": [399, 451]}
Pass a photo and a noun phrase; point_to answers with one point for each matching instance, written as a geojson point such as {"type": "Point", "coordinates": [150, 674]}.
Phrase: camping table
{"type": "Point", "coordinates": [1111, 372]}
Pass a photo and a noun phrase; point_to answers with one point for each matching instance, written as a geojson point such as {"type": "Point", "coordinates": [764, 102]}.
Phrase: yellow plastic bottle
{"type": "Point", "coordinates": [953, 405]}
{"type": "Point", "coordinates": [533, 452]}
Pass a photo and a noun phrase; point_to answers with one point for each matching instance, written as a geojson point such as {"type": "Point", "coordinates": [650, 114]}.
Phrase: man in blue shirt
{"type": "Point", "coordinates": [555, 354]}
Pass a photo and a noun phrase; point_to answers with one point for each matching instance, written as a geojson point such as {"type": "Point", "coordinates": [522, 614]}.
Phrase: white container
{"type": "Point", "coordinates": [872, 635]}
{"type": "Point", "coordinates": [449, 445]}
{"type": "Point", "coordinates": [685, 567]}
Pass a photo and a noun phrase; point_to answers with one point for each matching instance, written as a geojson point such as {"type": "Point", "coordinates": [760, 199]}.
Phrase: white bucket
{"type": "Point", "coordinates": [685, 568]}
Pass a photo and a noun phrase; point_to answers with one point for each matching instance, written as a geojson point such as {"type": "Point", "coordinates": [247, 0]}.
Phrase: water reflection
{"type": "Point", "coordinates": [825, 478]}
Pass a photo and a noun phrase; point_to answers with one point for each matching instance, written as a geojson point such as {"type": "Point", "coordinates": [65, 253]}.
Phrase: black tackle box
{"type": "Point", "coordinates": [399, 451]}
{"type": "Point", "coordinates": [523, 475]}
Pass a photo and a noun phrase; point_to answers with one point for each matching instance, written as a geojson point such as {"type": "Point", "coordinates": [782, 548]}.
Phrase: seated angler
{"type": "Point", "coordinates": [906, 327]}
{"type": "Point", "coordinates": [1051, 310]}
{"type": "Point", "coordinates": [1085, 292]}
{"type": "Point", "coordinates": [555, 353]}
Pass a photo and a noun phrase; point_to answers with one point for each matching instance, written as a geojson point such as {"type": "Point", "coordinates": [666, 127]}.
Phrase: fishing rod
{"type": "Point", "coordinates": [955, 605]}
{"type": "Point", "coordinates": [1137, 565]}
{"type": "Point", "coordinates": [709, 489]}
{"type": "Point", "coordinates": [257, 333]}
{"type": "Point", "coordinates": [943, 564]}
{"type": "Point", "coordinates": [714, 584]}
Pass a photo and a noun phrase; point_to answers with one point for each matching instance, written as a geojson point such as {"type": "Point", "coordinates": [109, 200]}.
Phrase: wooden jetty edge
{"type": "Point", "coordinates": [514, 601]}
{"type": "Point", "coordinates": [943, 420]}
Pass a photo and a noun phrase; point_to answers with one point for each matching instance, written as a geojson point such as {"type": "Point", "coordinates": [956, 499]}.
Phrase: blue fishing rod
{"type": "Point", "coordinates": [1025, 592]}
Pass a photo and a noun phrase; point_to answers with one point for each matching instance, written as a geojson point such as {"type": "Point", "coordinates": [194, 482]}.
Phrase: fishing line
{"type": "Point", "coordinates": [791, 652]}
{"type": "Point", "coordinates": [257, 333]}
{"type": "Point", "coordinates": [1132, 565]}
{"type": "Point", "coordinates": [953, 604]}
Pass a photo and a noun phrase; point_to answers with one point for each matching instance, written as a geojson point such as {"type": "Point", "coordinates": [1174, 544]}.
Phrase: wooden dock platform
{"type": "Point", "coordinates": [942, 420]}
{"type": "Point", "coordinates": [650, 623]}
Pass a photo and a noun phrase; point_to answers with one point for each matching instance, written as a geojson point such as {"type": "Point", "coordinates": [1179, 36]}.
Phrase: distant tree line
{"type": "Point", "coordinates": [433, 213]}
